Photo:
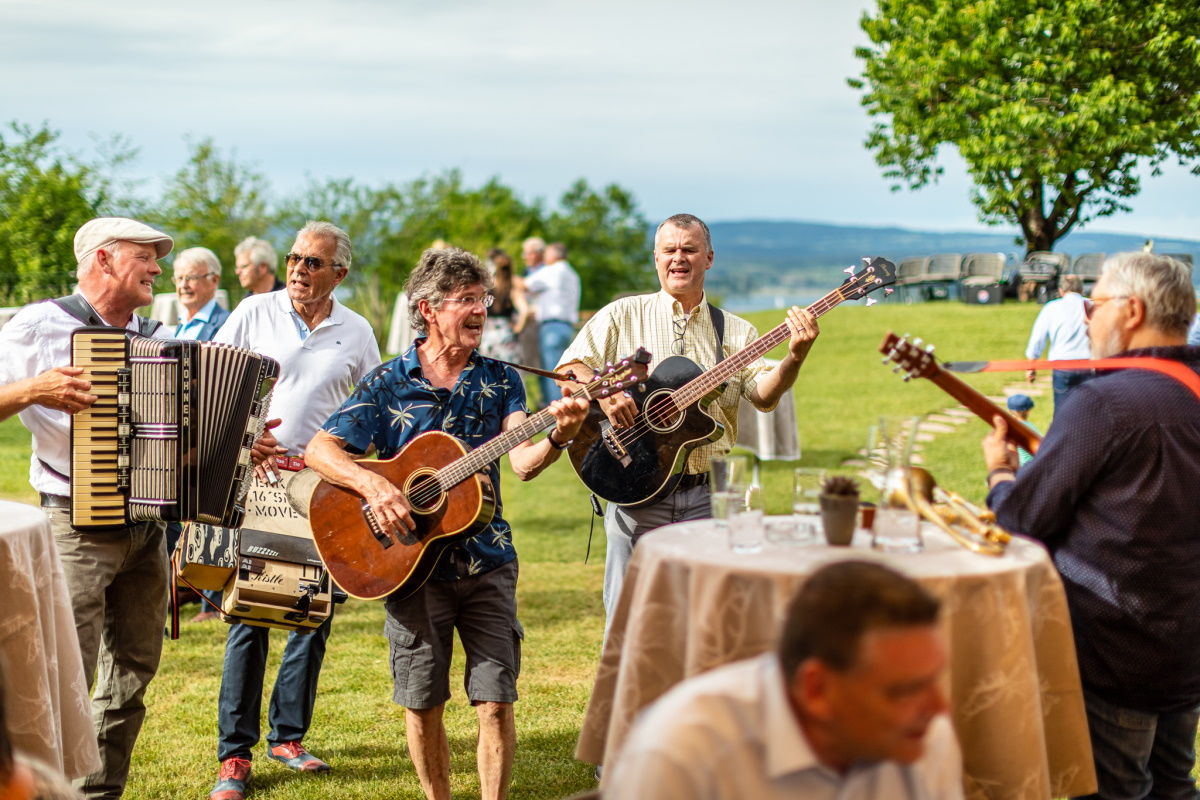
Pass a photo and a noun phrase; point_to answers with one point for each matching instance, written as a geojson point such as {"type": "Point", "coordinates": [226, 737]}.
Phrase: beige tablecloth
{"type": "Point", "coordinates": [48, 713]}
{"type": "Point", "coordinates": [688, 605]}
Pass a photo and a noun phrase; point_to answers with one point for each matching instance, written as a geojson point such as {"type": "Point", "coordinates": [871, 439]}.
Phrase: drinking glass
{"type": "Point", "coordinates": [897, 527]}
{"type": "Point", "coordinates": [806, 503]}
{"type": "Point", "coordinates": [730, 472]}
{"type": "Point", "coordinates": [746, 524]}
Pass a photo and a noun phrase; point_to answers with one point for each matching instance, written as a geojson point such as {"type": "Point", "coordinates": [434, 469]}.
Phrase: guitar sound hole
{"type": "Point", "coordinates": [423, 492]}
{"type": "Point", "coordinates": [661, 413]}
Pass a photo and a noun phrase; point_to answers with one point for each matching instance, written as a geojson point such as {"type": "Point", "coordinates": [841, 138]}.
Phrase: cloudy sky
{"type": "Point", "coordinates": [731, 110]}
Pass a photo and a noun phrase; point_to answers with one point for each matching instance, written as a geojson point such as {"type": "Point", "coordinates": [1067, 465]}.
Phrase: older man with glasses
{"type": "Point", "coordinates": [197, 275]}
{"type": "Point", "coordinates": [678, 320]}
{"type": "Point", "coordinates": [323, 350]}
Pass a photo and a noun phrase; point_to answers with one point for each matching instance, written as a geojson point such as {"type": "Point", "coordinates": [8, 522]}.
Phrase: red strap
{"type": "Point", "coordinates": [1173, 369]}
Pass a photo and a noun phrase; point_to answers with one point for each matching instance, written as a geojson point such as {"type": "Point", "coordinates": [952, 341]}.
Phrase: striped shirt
{"type": "Point", "coordinates": [654, 321]}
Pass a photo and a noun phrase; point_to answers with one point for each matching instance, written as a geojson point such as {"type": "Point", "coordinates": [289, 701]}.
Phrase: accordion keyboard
{"type": "Point", "coordinates": [100, 433]}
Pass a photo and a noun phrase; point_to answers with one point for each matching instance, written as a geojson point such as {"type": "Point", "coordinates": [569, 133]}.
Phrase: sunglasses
{"type": "Point", "coordinates": [311, 263]}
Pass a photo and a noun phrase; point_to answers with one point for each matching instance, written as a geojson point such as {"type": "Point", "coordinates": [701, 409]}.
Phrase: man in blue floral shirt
{"type": "Point", "coordinates": [442, 383]}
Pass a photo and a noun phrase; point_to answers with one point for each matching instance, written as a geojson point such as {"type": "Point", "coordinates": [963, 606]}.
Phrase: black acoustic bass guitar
{"type": "Point", "coordinates": [639, 465]}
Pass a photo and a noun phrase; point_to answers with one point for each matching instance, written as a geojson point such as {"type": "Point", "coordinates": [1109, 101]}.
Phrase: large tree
{"type": "Point", "coordinates": [1055, 105]}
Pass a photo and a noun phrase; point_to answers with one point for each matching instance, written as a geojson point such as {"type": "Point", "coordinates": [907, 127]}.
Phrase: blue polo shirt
{"type": "Point", "coordinates": [395, 403]}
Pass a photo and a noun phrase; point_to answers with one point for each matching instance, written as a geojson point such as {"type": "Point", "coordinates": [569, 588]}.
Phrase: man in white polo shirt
{"type": "Point", "coordinates": [555, 291]}
{"type": "Point", "coordinates": [323, 350]}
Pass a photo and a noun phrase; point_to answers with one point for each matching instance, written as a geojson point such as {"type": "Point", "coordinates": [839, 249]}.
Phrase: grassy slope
{"type": "Point", "coordinates": [841, 391]}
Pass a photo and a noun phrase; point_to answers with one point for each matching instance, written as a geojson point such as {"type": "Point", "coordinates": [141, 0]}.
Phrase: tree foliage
{"type": "Point", "coordinates": [1054, 105]}
{"type": "Point", "coordinates": [214, 202]}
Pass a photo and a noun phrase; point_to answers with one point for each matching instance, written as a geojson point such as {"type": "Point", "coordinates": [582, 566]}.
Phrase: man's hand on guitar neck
{"type": "Point", "coordinates": [619, 407]}
{"type": "Point", "coordinates": [771, 385]}
{"type": "Point", "coordinates": [999, 456]}
{"type": "Point", "coordinates": [803, 324]}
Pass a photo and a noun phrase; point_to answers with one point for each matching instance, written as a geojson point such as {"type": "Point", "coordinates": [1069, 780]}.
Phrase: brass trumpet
{"type": "Point", "coordinates": [915, 488]}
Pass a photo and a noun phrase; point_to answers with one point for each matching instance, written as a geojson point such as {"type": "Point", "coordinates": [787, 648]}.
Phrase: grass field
{"type": "Point", "coordinates": [841, 391]}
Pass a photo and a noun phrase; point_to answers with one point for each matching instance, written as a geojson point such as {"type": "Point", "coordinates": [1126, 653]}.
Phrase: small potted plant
{"type": "Point", "coordinates": [839, 508]}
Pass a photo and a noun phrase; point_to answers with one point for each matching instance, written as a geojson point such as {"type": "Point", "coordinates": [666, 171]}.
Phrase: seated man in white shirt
{"type": "Point", "coordinates": [849, 706]}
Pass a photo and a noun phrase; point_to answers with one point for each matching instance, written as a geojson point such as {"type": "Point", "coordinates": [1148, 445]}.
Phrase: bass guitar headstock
{"type": "Point", "coordinates": [875, 273]}
{"type": "Point", "coordinates": [916, 360]}
{"type": "Point", "coordinates": [619, 376]}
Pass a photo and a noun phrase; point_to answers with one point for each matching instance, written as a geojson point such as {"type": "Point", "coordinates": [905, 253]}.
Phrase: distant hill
{"type": "Point", "coordinates": [755, 254]}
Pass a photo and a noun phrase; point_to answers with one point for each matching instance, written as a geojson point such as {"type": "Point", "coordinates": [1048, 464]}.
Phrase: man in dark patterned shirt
{"type": "Point", "coordinates": [1112, 492]}
{"type": "Point", "coordinates": [442, 383]}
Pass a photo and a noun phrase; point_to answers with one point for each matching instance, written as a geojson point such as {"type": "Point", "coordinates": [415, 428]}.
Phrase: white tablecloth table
{"type": "Point", "coordinates": [48, 712]}
{"type": "Point", "coordinates": [689, 604]}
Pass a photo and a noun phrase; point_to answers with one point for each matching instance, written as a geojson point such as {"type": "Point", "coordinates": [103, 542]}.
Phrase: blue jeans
{"type": "Point", "coordinates": [1141, 754]}
{"type": "Point", "coordinates": [292, 699]}
{"type": "Point", "coordinates": [554, 336]}
{"type": "Point", "coordinates": [1064, 380]}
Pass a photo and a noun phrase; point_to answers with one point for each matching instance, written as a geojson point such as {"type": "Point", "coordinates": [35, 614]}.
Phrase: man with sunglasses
{"type": "Point", "coordinates": [1061, 325]}
{"type": "Point", "coordinates": [1112, 494]}
{"type": "Point", "coordinates": [678, 320]}
{"type": "Point", "coordinates": [323, 350]}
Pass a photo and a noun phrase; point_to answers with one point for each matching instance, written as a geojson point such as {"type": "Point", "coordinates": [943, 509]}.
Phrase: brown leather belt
{"type": "Point", "coordinates": [691, 480]}
{"type": "Point", "coordinates": [54, 500]}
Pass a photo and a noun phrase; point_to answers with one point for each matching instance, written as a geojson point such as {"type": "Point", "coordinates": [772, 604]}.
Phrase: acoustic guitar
{"type": "Point", "coordinates": [918, 362]}
{"type": "Point", "coordinates": [451, 498]}
{"type": "Point", "coordinates": [639, 465]}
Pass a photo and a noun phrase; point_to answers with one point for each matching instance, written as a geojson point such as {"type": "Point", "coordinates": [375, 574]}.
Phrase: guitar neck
{"type": "Point", "coordinates": [1018, 433]}
{"type": "Point", "coordinates": [476, 460]}
{"type": "Point", "coordinates": [702, 384]}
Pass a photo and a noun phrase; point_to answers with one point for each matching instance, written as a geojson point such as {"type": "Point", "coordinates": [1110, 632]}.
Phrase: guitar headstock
{"type": "Point", "coordinates": [619, 376]}
{"type": "Point", "coordinates": [875, 273]}
{"type": "Point", "coordinates": [915, 360]}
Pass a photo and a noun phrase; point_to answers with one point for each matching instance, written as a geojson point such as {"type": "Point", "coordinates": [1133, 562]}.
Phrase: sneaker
{"type": "Point", "coordinates": [293, 755]}
{"type": "Point", "coordinates": [232, 780]}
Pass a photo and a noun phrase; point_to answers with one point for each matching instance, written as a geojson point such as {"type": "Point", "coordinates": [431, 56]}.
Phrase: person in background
{"type": "Point", "coordinates": [323, 350]}
{"type": "Point", "coordinates": [118, 579]}
{"type": "Point", "coordinates": [256, 262]}
{"type": "Point", "coordinates": [848, 705]}
{"type": "Point", "coordinates": [1020, 405]}
{"type": "Point", "coordinates": [509, 312]}
{"type": "Point", "coordinates": [197, 274]}
{"type": "Point", "coordinates": [555, 291]}
{"type": "Point", "coordinates": [1193, 336]}
{"type": "Point", "coordinates": [533, 251]}
{"type": "Point", "coordinates": [1112, 495]}
{"type": "Point", "coordinates": [1062, 323]}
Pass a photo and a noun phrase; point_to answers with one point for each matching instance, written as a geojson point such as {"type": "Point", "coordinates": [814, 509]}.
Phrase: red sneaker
{"type": "Point", "coordinates": [232, 780]}
{"type": "Point", "coordinates": [293, 755]}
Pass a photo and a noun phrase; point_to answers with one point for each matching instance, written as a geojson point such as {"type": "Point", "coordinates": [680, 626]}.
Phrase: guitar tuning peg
{"type": "Point", "coordinates": [888, 290]}
{"type": "Point", "coordinates": [929, 349]}
{"type": "Point", "coordinates": [849, 270]}
{"type": "Point", "coordinates": [907, 378]}
{"type": "Point", "coordinates": [917, 342]}
{"type": "Point", "coordinates": [871, 301]}
{"type": "Point", "coordinates": [896, 369]}
{"type": "Point", "coordinates": [866, 261]}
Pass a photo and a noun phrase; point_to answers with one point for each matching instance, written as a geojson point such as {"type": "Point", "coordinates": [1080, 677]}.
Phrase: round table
{"type": "Point", "coordinates": [688, 604]}
{"type": "Point", "coordinates": [47, 709]}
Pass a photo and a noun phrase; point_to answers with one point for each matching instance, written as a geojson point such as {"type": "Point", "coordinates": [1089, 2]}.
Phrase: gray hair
{"type": "Point", "coordinates": [535, 243]}
{"type": "Point", "coordinates": [342, 255]}
{"type": "Point", "coordinates": [1070, 283]}
{"type": "Point", "coordinates": [1163, 284]}
{"type": "Point", "coordinates": [439, 272]}
{"type": "Point", "coordinates": [84, 267]}
{"type": "Point", "coordinates": [686, 221]}
{"type": "Point", "coordinates": [200, 255]}
{"type": "Point", "coordinates": [260, 251]}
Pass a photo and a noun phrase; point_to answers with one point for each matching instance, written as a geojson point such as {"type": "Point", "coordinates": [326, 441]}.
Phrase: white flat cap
{"type": "Point", "coordinates": [102, 231]}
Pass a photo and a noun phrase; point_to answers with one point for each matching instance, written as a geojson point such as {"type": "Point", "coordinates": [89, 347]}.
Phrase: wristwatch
{"type": "Point", "coordinates": [556, 445]}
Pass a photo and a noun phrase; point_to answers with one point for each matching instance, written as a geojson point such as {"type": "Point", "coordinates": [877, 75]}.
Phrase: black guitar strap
{"type": "Point", "coordinates": [718, 321]}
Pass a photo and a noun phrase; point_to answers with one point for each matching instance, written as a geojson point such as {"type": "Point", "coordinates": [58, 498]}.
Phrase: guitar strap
{"type": "Point", "coordinates": [718, 321]}
{"type": "Point", "coordinates": [1173, 369]}
{"type": "Point", "coordinates": [545, 373]}
{"type": "Point", "coordinates": [78, 307]}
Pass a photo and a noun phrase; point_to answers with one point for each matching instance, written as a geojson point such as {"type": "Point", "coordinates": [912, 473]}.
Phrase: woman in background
{"type": "Point", "coordinates": [508, 313]}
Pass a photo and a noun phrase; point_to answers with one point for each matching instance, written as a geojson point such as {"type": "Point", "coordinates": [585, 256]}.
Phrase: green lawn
{"type": "Point", "coordinates": [842, 390]}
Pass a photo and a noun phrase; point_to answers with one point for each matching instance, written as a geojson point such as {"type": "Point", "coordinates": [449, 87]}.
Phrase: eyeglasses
{"type": "Point", "coordinates": [311, 263]}
{"type": "Point", "coordinates": [484, 300]}
{"type": "Point", "coordinates": [193, 278]}
{"type": "Point", "coordinates": [680, 326]}
{"type": "Point", "coordinates": [1090, 305]}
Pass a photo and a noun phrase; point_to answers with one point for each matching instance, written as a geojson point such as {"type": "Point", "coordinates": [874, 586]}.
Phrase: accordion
{"type": "Point", "coordinates": [170, 434]}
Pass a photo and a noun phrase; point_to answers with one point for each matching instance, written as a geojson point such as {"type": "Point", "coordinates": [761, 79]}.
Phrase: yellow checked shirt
{"type": "Point", "coordinates": [655, 322]}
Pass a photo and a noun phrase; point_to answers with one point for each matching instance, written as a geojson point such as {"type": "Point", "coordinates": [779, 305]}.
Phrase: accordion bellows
{"type": "Point", "coordinates": [170, 434]}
